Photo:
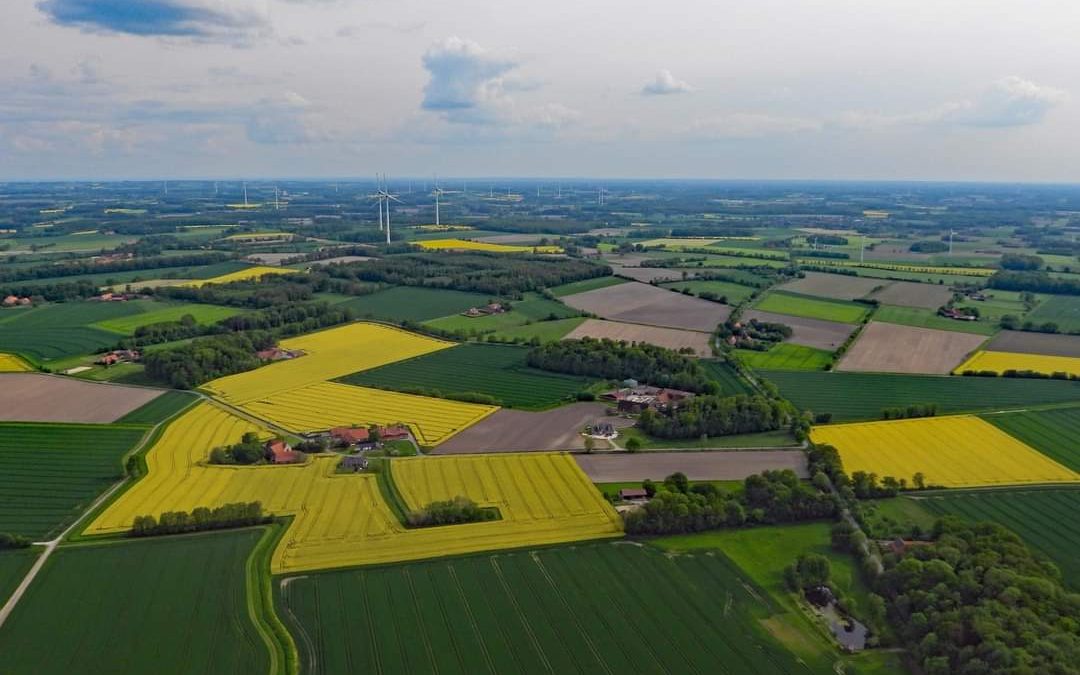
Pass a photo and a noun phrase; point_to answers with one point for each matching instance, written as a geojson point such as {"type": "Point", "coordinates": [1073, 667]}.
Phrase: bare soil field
{"type": "Point", "coordinates": [520, 431]}
{"type": "Point", "coordinates": [642, 303]}
{"type": "Point", "coordinates": [836, 286]}
{"type": "Point", "coordinates": [343, 259]}
{"type": "Point", "coordinates": [520, 239]}
{"type": "Point", "coordinates": [730, 465]}
{"type": "Point", "coordinates": [911, 294]}
{"type": "Point", "coordinates": [807, 332]}
{"type": "Point", "coordinates": [269, 258]}
{"type": "Point", "coordinates": [1035, 343]}
{"type": "Point", "coordinates": [647, 274]}
{"type": "Point", "coordinates": [671, 338]}
{"type": "Point", "coordinates": [32, 397]}
{"type": "Point", "coordinates": [891, 348]}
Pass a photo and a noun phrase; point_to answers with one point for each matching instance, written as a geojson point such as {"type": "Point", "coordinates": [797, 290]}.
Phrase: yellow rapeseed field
{"type": "Point", "coordinates": [241, 275]}
{"type": "Point", "coordinates": [999, 362]}
{"type": "Point", "coordinates": [9, 363]}
{"type": "Point", "coordinates": [327, 354]}
{"type": "Point", "coordinates": [341, 519]}
{"type": "Point", "coordinates": [465, 244]}
{"type": "Point", "coordinates": [956, 451]}
{"type": "Point", "coordinates": [330, 404]}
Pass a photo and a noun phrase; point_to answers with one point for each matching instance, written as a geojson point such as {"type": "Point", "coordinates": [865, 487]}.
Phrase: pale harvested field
{"type": "Point", "coordinates": [912, 294]}
{"type": "Point", "coordinates": [807, 332]}
{"type": "Point", "coordinates": [647, 274]}
{"type": "Point", "coordinates": [32, 397]}
{"type": "Point", "coordinates": [642, 303]}
{"type": "Point", "coordinates": [524, 239]}
{"type": "Point", "coordinates": [519, 431]}
{"type": "Point", "coordinates": [734, 465]}
{"type": "Point", "coordinates": [836, 286]}
{"type": "Point", "coordinates": [889, 348]}
{"type": "Point", "coordinates": [671, 338]}
{"type": "Point", "coordinates": [1035, 343]}
{"type": "Point", "coordinates": [149, 283]}
{"type": "Point", "coordinates": [342, 260]}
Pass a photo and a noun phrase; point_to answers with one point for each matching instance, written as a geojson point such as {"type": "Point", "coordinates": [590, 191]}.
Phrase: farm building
{"type": "Point", "coordinates": [119, 356]}
{"type": "Point", "coordinates": [278, 354]}
{"type": "Point", "coordinates": [353, 436]}
{"type": "Point", "coordinates": [636, 399]}
{"type": "Point", "coordinates": [605, 430]}
{"type": "Point", "coordinates": [394, 433]}
{"type": "Point", "coordinates": [486, 310]}
{"type": "Point", "coordinates": [633, 494]}
{"type": "Point", "coordinates": [354, 462]}
{"type": "Point", "coordinates": [280, 452]}
{"type": "Point", "coordinates": [14, 300]}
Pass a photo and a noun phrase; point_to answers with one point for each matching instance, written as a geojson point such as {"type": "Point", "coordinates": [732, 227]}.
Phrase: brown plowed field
{"type": "Point", "coordinates": [671, 338]}
{"type": "Point", "coordinates": [1035, 343]}
{"type": "Point", "coordinates": [911, 294]}
{"type": "Point", "coordinates": [730, 465]}
{"type": "Point", "coordinates": [836, 286]}
{"type": "Point", "coordinates": [31, 397]}
{"type": "Point", "coordinates": [808, 332]}
{"type": "Point", "coordinates": [642, 303]}
{"type": "Point", "coordinates": [889, 348]}
{"type": "Point", "coordinates": [521, 431]}
{"type": "Point", "coordinates": [647, 274]}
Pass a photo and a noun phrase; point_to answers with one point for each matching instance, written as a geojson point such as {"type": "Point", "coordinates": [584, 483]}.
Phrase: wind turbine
{"type": "Point", "coordinates": [438, 193]}
{"type": "Point", "coordinates": [951, 233]}
{"type": "Point", "coordinates": [245, 195]}
{"type": "Point", "coordinates": [385, 194]}
{"type": "Point", "coordinates": [380, 197]}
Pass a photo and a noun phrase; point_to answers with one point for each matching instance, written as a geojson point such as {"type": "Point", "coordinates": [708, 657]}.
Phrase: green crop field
{"type": "Point", "coordinates": [600, 608]}
{"type": "Point", "coordinates": [168, 605]}
{"type": "Point", "coordinates": [132, 278]}
{"type": "Point", "coordinates": [544, 331]}
{"type": "Point", "coordinates": [56, 331]}
{"type": "Point", "coordinates": [928, 318]}
{"type": "Point", "coordinates": [730, 381]}
{"type": "Point", "coordinates": [161, 408]}
{"type": "Point", "coordinates": [786, 356]}
{"type": "Point", "coordinates": [735, 293]}
{"type": "Point", "coordinates": [496, 370]}
{"type": "Point", "coordinates": [158, 312]}
{"type": "Point", "coordinates": [898, 275]}
{"type": "Point", "coordinates": [585, 285]}
{"type": "Point", "coordinates": [14, 564]}
{"type": "Point", "coordinates": [1064, 310]}
{"type": "Point", "coordinates": [762, 554]}
{"type": "Point", "coordinates": [1055, 433]}
{"type": "Point", "coordinates": [531, 309]}
{"type": "Point", "coordinates": [412, 303]}
{"type": "Point", "coordinates": [49, 473]}
{"type": "Point", "coordinates": [1044, 518]}
{"type": "Point", "coordinates": [737, 261]}
{"type": "Point", "coordinates": [856, 396]}
{"type": "Point", "coordinates": [811, 307]}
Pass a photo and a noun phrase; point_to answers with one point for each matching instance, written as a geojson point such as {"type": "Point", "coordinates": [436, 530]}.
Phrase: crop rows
{"type": "Point", "coordinates": [329, 404]}
{"type": "Point", "coordinates": [166, 606]}
{"type": "Point", "coordinates": [786, 356]}
{"type": "Point", "coordinates": [498, 371]}
{"type": "Point", "coordinates": [590, 609]}
{"type": "Point", "coordinates": [1046, 519]}
{"type": "Point", "coordinates": [50, 472]}
{"type": "Point", "coordinates": [242, 275]}
{"type": "Point", "coordinates": [961, 451]}
{"type": "Point", "coordinates": [730, 382]}
{"type": "Point", "coordinates": [811, 307]}
{"type": "Point", "coordinates": [1054, 433]}
{"type": "Point", "coordinates": [920, 269]}
{"type": "Point", "coordinates": [854, 396]}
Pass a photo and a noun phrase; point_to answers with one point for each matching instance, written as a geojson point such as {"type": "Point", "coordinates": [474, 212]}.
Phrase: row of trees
{"type": "Point", "coordinates": [239, 514]}
{"type": "Point", "coordinates": [1035, 282]}
{"type": "Point", "coordinates": [87, 266]}
{"type": "Point", "coordinates": [613, 360]}
{"type": "Point", "coordinates": [710, 415]}
{"type": "Point", "coordinates": [9, 541]}
{"type": "Point", "coordinates": [450, 512]}
{"type": "Point", "coordinates": [678, 507]}
{"type": "Point", "coordinates": [911, 411]}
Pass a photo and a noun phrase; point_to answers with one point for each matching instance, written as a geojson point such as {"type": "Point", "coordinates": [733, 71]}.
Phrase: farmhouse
{"type": "Point", "coordinates": [350, 435]}
{"type": "Point", "coordinates": [280, 452]}
{"type": "Point", "coordinates": [14, 300]}
{"type": "Point", "coordinates": [956, 315]}
{"type": "Point", "coordinates": [394, 433]}
{"type": "Point", "coordinates": [633, 494]}
{"type": "Point", "coordinates": [486, 310]}
{"type": "Point", "coordinates": [119, 356]}
{"type": "Point", "coordinates": [636, 399]}
{"type": "Point", "coordinates": [278, 354]}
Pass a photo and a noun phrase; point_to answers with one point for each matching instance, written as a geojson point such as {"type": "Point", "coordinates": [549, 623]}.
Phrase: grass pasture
{"type": "Point", "coordinates": [730, 381]}
{"type": "Point", "coordinates": [1044, 518]}
{"type": "Point", "coordinates": [498, 371]}
{"type": "Point", "coordinates": [735, 293]}
{"type": "Point", "coordinates": [1063, 310]}
{"type": "Point", "coordinates": [1054, 433]}
{"type": "Point", "coordinates": [529, 310]}
{"type": "Point", "coordinates": [786, 356]}
{"type": "Point", "coordinates": [168, 605]}
{"type": "Point", "coordinates": [588, 609]}
{"type": "Point", "coordinates": [585, 285]}
{"type": "Point", "coordinates": [999, 362]}
{"type": "Point", "coordinates": [959, 451]}
{"type": "Point", "coordinates": [158, 312]}
{"type": "Point", "coordinates": [862, 396]}
{"type": "Point", "coordinates": [56, 331]}
{"type": "Point", "coordinates": [14, 565]}
{"type": "Point", "coordinates": [920, 317]}
{"type": "Point", "coordinates": [49, 473]}
{"type": "Point", "coordinates": [809, 307]}
{"type": "Point", "coordinates": [412, 303]}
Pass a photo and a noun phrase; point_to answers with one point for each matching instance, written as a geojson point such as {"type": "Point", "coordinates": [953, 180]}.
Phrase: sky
{"type": "Point", "coordinates": [827, 89]}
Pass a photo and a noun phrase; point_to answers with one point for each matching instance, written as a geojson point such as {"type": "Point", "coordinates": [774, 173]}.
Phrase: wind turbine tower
{"type": "Point", "coordinates": [388, 197]}
{"type": "Point", "coordinates": [438, 193]}
{"type": "Point", "coordinates": [245, 195]}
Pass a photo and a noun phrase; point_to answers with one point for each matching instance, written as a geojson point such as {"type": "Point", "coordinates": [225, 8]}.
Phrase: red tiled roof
{"type": "Point", "coordinates": [393, 432]}
{"type": "Point", "coordinates": [350, 434]}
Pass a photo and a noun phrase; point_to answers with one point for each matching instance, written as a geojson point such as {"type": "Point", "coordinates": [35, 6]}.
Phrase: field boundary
{"type": "Point", "coordinates": [284, 657]}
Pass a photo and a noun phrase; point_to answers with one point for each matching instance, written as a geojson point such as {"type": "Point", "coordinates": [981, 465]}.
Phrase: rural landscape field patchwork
{"type": "Point", "coordinates": [523, 441]}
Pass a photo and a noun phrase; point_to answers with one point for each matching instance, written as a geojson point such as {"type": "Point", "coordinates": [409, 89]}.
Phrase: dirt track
{"type": "Point", "coordinates": [32, 397]}
{"type": "Point", "coordinates": [517, 430]}
{"type": "Point", "coordinates": [727, 465]}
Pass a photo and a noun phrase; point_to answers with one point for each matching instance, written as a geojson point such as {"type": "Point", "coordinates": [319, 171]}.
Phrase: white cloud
{"type": "Point", "coordinates": [463, 76]}
{"type": "Point", "coordinates": [665, 84]}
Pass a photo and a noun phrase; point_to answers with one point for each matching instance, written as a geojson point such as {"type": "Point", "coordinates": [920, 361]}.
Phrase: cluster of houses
{"type": "Point", "coordinates": [119, 356]}
{"type": "Point", "coordinates": [635, 398]}
{"type": "Point", "coordinates": [360, 439]}
{"type": "Point", "coordinates": [16, 301]}
{"type": "Point", "coordinates": [957, 314]}
{"type": "Point", "coordinates": [486, 310]}
{"type": "Point", "coordinates": [110, 296]}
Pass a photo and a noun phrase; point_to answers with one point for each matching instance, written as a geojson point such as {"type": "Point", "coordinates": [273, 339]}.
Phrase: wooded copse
{"type": "Point", "coordinates": [711, 415]}
{"type": "Point", "coordinates": [450, 512]}
{"type": "Point", "coordinates": [611, 360]}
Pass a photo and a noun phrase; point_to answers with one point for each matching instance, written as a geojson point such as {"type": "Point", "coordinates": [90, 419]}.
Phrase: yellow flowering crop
{"type": "Point", "coordinates": [999, 362]}
{"type": "Point", "coordinates": [465, 244]}
{"type": "Point", "coordinates": [919, 269]}
{"type": "Point", "coordinates": [241, 275]}
{"type": "Point", "coordinates": [955, 451]}
{"type": "Point", "coordinates": [9, 363]}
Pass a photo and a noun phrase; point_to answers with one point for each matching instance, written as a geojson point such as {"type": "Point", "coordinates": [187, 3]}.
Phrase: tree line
{"type": "Point", "coordinates": [239, 514]}
{"type": "Point", "coordinates": [81, 267]}
{"type": "Point", "coordinates": [1035, 282]}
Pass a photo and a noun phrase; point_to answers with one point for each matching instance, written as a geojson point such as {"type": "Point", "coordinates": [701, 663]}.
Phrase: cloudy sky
{"type": "Point", "coordinates": [890, 89]}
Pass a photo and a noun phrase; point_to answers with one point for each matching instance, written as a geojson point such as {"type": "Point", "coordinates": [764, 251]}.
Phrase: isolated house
{"type": "Point", "coordinates": [394, 433]}
{"type": "Point", "coordinates": [280, 452]}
